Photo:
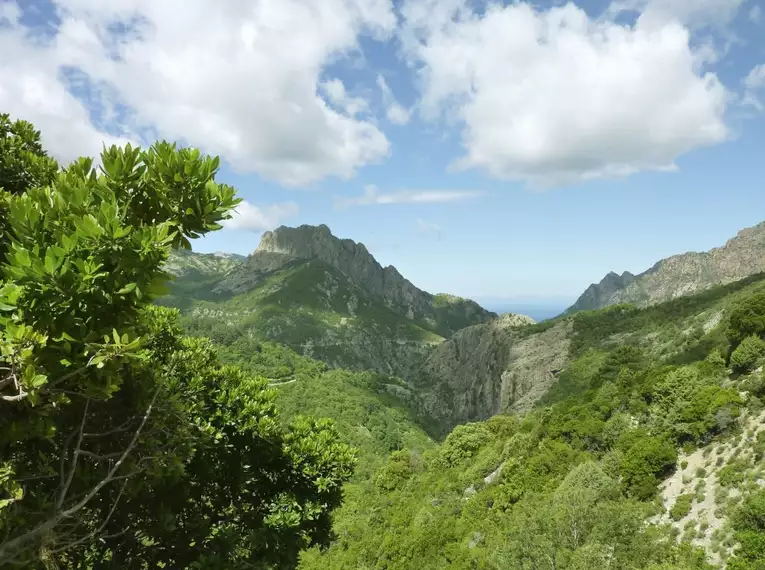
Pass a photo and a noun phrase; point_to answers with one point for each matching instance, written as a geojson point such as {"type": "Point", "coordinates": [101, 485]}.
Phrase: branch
{"type": "Point", "coordinates": [69, 512]}
{"type": "Point", "coordinates": [97, 456]}
{"type": "Point", "coordinates": [75, 456]}
{"type": "Point", "coordinates": [48, 525]}
{"type": "Point", "coordinates": [100, 528]}
{"type": "Point", "coordinates": [118, 429]}
{"type": "Point", "coordinates": [6, 382]}
{"type": "Point", "coordinates": [17, 398]}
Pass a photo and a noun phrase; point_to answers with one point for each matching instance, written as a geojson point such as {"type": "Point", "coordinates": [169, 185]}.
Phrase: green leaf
{"type": "Point", "coordinates": [39, 380]}
{"type": "Point", "coordinates": [126, 289]}
{"type": "Point", "coordinates": [21, 257]}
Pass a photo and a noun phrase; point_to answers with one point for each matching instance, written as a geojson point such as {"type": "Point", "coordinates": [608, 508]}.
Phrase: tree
{"type": "Point", "coordinates": [106, 409]}
{"type": "Point", "coordinates": [747, 317]}
{"type": "Point", "coordinates": [748, 354]}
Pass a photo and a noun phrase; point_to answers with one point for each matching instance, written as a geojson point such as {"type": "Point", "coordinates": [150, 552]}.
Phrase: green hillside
{"type": "Point", "coordinates": [572, 483]}
{"type": "Point", "coordinates": [316, 310]}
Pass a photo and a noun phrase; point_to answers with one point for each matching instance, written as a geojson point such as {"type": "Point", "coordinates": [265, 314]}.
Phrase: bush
{"type": "Point", "coordinates": [749, 531]}
{"type": "Point", "coordinates": [396, 471]}
{"type": "Point", "coordinates": [747, 318]}
{"type": "Point", "coordinates": [645, 460]}
{"type": "Point", "coordinates": [463, 443]}
{"type": "Point", "coordinates": [748, 354]}
{"type": "Point", "coordinates": [682, 507]}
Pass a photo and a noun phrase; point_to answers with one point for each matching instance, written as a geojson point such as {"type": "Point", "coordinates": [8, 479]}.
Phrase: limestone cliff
{"type": "Point", "coordinates": [491, 368]}
{"type": "Point", "coordinates": [682, 274]}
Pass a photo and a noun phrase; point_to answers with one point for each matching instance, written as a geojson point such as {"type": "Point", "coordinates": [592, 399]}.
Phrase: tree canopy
{"type": "Point", "coordinates": [106, 408]}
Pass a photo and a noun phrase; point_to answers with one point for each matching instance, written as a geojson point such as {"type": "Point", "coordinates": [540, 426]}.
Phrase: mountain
{"type": "Point", "coordinates": [682, 274]}
{"type": "Point", "coordinates": [325, 297]}
{"type": "Point", "coordinates": [644, 450]}
{"type": "Point", "coordinates": [621, 437]}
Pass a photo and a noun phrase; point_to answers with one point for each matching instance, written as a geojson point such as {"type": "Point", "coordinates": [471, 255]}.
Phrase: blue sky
{"type": "Point", "coordinates": [498, 151]}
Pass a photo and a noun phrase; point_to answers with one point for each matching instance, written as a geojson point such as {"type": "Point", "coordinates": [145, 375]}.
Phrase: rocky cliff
{"type": "Point", "coordinates": [491, 368]}
{"type": "Point", "coordinates": [682, 274]}
{"type": "Point", "coordinates": [443, 314]}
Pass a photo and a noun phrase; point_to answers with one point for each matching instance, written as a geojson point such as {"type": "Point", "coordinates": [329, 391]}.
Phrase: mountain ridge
{"type": "Point", "coordinates": [682, 274]}
{"type": "Point", "coordinates": [444, 313]}
{"type": "Point", "coordinates": [322, 296]}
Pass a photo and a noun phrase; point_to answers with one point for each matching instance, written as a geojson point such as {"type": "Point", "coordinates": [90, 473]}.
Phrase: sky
{"type": "Point", "coordinates": [505, 151]}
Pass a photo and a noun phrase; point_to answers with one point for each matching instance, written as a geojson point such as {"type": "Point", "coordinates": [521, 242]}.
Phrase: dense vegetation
{"type": "Point", "coordinates": [106, 409]}
{"type": "Point", "coordinates": [571, 484]}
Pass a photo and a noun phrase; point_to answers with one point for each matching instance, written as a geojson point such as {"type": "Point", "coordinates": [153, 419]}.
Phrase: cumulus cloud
{"type": "Point", "coordinates": [33, 88]}
{"type": "Point", "coordinates": [248, 217]}
{"type": "Point", "coordinates": [755, 14]}
{"type": "Point", "coordinates": [555, 97]}
{"type": "Point", "coordinates": [241, 79]}
{"type": "Point", "coordinates": [395, 112]}
{"type": "Point", "coordinates": [372, 196]}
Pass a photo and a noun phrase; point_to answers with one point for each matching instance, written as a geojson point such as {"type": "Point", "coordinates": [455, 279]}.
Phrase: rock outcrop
{"type": "Point", "coordinates": [492, 368]}
{"type": "Point", "coordinates": [683, 274]}
{"type": "Point", "coordinates": [443, 314]}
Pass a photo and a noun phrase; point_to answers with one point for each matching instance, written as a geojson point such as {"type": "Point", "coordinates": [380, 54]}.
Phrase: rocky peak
{"type": "Point", "coordinates": [287, 244]}
{"type": "Point", "coordinates": [346, 255]}
{"type": "Point", "coordinates": [682, 274]}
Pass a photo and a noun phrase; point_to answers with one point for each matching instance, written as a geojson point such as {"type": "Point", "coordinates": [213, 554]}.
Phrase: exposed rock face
{"type": "Point", "coordinates": [740, 257]}
{"type": "Point", "coordinates": [492, 368]}
{"type": "Point", "coordinates": [185, 263]}
{"type": "Point", "coordinates": [443, 313]}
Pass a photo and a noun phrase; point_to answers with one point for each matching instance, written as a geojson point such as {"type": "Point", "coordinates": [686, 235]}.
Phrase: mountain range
{"type": "Point", "coordinates": [636, 406]}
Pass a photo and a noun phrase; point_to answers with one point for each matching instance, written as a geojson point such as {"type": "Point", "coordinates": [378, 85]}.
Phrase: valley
{"type": "Point", "coordinates": [497, 442]}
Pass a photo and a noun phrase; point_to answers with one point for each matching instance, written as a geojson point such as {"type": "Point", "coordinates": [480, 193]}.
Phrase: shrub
{"type": "Point", "coordinates": [463, 443]}
{"type": "Point", "coordinates": [748, 354]}
{"type": "Point", "coordinates": [646, 458]}
{"type": "Point", "coordinates": [747, 318]}
{"type": "Point", "coordinates": [396, 471]}
{"type": "Point", "coordinates": [682, 507]}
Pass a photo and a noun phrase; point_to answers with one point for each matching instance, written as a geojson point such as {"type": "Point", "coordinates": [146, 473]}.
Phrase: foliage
{"type": "Point", "coordinates": [25, 163]}
{"type": "Point", "coordinates": [747, 318]}
{"type": "Point", "coordinates": [463, 443]}
{"type": "Point", "coordinates": [748, 354]}
{"type": "Point", "coordinates": [749, 532]}
{"type": "Point", "coordinates": [682, 506]}
{"type": "Point", "coordinates": [105, 408]}
{"type": "Point", "coordinates": [646, 458]}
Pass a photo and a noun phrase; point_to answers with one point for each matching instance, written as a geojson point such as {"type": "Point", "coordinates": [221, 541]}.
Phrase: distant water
{"type": "Point", "coordinates": [538, 312]}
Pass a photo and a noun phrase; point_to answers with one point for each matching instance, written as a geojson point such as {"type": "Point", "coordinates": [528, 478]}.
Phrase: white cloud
{"type": "Point", "coordinates": [337, 95]}
{"type": "Point", "coordinates": [239, 79]}
{"type": "Point", "coordinates": [252, 218]}
{"type": "Point", "coordinates": [428, 229]}
{"type": "Point", "coordinates": [692, 13]}
{"type": "Point", "coordinates": [372, 196]}
{"type": "Point", "coordinates": [555, 97]}
{"type": "Point", "coordinates": [755, 14]}
{"type": "Point", "coordinates": [395, 112]}
{"type": "Point", "coordinates": [31, 88]}
{"type": "Point", "coordinates": [756, 77]}
{"type": "Point", "coordinates": [754, 83]}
